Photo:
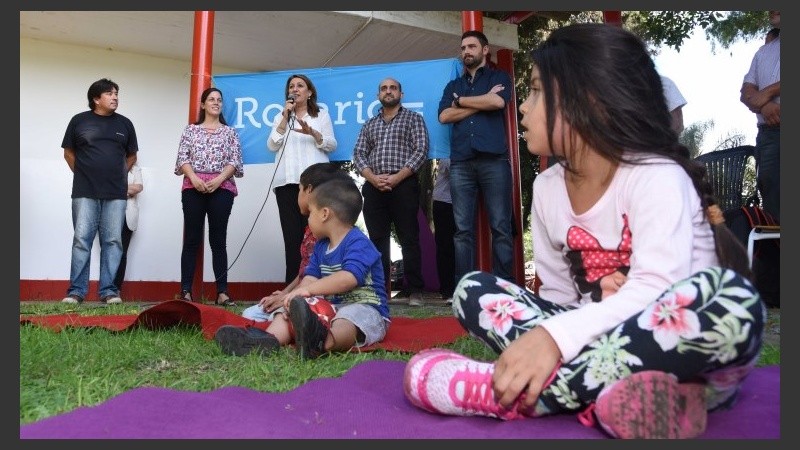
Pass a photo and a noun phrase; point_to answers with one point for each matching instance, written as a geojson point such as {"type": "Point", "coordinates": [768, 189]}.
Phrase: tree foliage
{"type": "Point", "coordinates": [671, 28]}
{"type": "Point", "coordinates": [668, 28]}
{"type": "Point", "coordinates": [694, 135]}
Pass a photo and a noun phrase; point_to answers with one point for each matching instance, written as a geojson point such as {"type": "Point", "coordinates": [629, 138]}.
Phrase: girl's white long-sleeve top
{"type": "Point", "coordinates": [648, 223]}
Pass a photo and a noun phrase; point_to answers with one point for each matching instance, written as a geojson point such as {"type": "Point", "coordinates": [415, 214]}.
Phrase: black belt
{"type": "Point", "coordinates": [764, 126]}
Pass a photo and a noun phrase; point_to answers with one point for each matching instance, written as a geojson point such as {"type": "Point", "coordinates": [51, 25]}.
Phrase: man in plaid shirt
{"type": "Point", "coordinates": [391, 148]}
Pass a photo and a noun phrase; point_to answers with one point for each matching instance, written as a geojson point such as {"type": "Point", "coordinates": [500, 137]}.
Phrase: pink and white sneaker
{"type": "Point", "coordinates": [445, 382]}
{"type": "Point", "coordinates": [652, 405]}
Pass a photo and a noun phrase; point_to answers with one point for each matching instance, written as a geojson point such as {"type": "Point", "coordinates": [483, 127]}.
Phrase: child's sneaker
{"type": "Point", "coordinates": [652, 405]}
{"type": "Point", "coordinates": [239, 341]}
{"type": "Point", "coordinates": [309, 331]}
{"type": "Point", "coordinates": [445, 382]}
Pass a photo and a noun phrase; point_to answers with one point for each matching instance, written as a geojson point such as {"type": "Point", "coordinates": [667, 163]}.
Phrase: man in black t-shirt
{"type": "Point", "coordinates": [99, 146]}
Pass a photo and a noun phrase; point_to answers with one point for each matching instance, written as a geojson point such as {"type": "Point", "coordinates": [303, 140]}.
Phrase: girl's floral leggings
{"type": "Point", "coordinates": [708, 327]}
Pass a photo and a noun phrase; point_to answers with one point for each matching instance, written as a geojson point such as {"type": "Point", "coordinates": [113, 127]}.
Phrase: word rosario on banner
{"type": "Point", "coordinates": [248, 112]}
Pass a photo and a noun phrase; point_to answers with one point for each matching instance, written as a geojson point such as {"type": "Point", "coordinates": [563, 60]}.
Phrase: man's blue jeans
{"type": "Point", "coordinates": [768, 165]}
{"type": "Point", "coordinates": [91, 217]}
{"type": "Point", "coordinates": [491, 176]}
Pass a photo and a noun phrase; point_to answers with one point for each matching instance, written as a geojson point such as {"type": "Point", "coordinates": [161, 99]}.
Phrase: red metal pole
{"type": "Point", "coordinates": [473, 20]}
{"type": "Point", "coordinates": [202, 52]}
{"type": "Point", "coordinates": [613, 18]}
{"type": "Point", "coordinates": [543, 163]}
{"type": "Point", "coordinates": [505, 60]}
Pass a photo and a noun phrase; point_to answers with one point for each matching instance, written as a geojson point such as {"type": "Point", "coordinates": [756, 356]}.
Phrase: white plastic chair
{"type": "Point", "coordinates": [758, 233]}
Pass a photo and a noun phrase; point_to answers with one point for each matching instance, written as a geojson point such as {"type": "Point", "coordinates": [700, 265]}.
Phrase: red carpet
{"type": "Point", "coordinates": [405, 334]}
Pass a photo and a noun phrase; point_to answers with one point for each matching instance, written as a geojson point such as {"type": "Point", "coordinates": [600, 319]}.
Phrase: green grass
{"type": "Point", "coordinates": [86, 366]}
{"type": "Point", "coordinates": [770, 355]}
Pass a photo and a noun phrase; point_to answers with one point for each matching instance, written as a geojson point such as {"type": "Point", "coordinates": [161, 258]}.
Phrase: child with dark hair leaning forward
{"type": "Point", "coordinates": [341, 301]}
{"type": "Point", "coordinates": [645, 319]}
{"type": "Point", "coordinates": [312, 176]}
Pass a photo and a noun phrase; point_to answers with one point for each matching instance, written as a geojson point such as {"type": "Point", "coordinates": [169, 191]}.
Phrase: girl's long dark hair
{"type": "Point", "coordinates": [603, 82]}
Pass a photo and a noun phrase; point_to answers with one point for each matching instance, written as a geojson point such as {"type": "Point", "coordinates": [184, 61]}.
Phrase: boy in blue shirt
{"type": "Point", "coordinates": [341, 301]}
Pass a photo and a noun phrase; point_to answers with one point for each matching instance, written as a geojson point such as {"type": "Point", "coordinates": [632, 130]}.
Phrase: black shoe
{"type": "Point", "coordinates": [224, 301]}
{"type": "Point", "coordinates": [186, 296]}
{"type": "Point", "coordinates": [240, 341]}
{"type": "Point", "coordinates": [309, 332]}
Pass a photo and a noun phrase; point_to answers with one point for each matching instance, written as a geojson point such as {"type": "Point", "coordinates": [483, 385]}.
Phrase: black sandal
{"type": "Point", "coordinates": [225, 302]}
{"type": "Point", "coordinates": [186, 296]}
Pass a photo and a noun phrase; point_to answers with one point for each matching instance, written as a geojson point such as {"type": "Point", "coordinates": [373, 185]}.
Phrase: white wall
{"type": "Point", "coordinates": [154, 94]}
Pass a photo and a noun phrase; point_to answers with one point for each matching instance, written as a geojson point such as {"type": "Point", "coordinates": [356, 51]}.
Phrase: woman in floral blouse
{"type": "Point", "coordinates": [209, 157]}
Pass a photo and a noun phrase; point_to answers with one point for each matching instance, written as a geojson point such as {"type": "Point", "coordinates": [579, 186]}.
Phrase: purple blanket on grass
{"type": "Point", "coordinates": [365, 403]}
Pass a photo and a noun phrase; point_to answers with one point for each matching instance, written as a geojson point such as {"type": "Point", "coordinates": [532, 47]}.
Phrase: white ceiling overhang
{"type": "Point", "coordinates": [258, 41]}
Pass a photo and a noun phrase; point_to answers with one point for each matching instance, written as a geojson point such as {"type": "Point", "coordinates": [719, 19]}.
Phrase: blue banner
{"type": "Point", "coordinates": [253, 101]}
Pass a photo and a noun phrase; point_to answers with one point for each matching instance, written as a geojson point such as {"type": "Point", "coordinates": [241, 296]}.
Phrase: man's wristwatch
{"type": "Point", "coordinates": [457, 101]}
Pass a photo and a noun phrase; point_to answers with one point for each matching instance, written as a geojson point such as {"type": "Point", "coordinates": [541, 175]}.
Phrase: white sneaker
{"type": "Point", "coordinates": [415, 299]}
{"type": "Point", "coordinates": [449, 301]}
{"type": "Point", "coordinates": [111, 299]}
{"type": "Point", "coordinates": [72, 298]}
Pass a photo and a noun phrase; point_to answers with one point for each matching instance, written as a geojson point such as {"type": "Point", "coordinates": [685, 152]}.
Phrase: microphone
{"type": "Point", "coordinates": [290, 98]}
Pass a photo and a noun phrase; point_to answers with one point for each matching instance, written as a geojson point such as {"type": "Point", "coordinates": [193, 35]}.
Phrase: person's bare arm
{"type": "Point", "coordinates": [275, 300]}
{"type": "Point", "coordinates": [773, 90]}
{"type": "Point", "coordinates": [188, 172]}
{"type": "Point", "coordinates": [748, 90]}
{"type": "Point", "coordinates": [335, 283]}
{"type": "Point", "coordinates": [131, 160]}
{"type": "Point", "coordinates": [217, 181]}
{"type": "Point", "coordinates": [396, 178]}
{"type": "Point", "coordinates": [134, 189]}
{"type": "Point", "coordinates": [772, 113]}
{"type": "Point", "coordinates": [755, 99]}
{"type": "Point", "coordinates": [69, 156]}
